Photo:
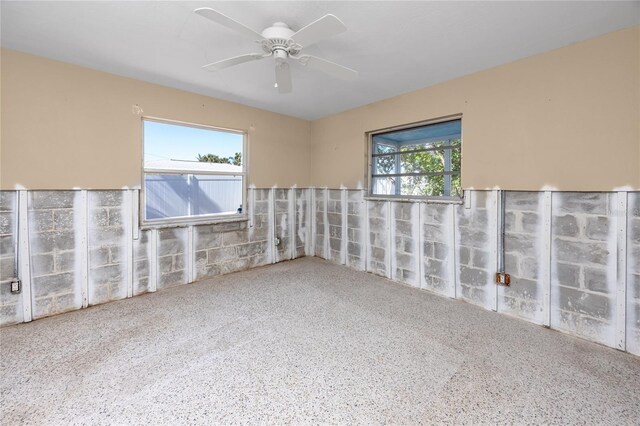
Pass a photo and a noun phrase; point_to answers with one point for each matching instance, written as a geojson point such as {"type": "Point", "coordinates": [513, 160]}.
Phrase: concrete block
{"type": "Point", "coordinates": [404, 228]}
{"type": "Point", "coordinates": [220, 255]}
{"type": "Point", "coordinates": [65, 261]}
{"type": "Point", "coordinates": [99, 256]}
{"type": "Point", "coordinates": [40, 220]}
{"type": "Point", "coordinates": [523, 201]}
{"type": "Point", "coordinates": [405, 261]}
{"type": "Point", "coordinates": [141, 268]}
{"type": "Point", "coordinates": [106, 274]}
{"type": "Point", "coordinates": [473, 276]}
{"type": "Point", "coordinates": [63, 219]}
{"type": "Point", "coordinates": [6, 244]}
{"type": "Point", "coordinates": [581, 252]}
{"type": "Point", "coordinates": [207, 271]}
{"type": "Point", "coordinates": [251, 249]}
{"type": "Point", "coordinates": [473, 237]}
{"type": "Point", "coordinates": [7, 269]}
{"type": "Point", "coordinates": [402, 211]}
{"type": "Point", "coordinates": [440, 251]}
{"type": "Point", "coordinates": [510, 220]}
{"type": "Point", "coordinates": [438, 233]}
{"type": "Point", "coordinates": [355, 208]}
{"type": "Point", "coordinates": [8, 201]}
{"type": "Point", "coordinates": [597, 228]}
{"type": "Point", "coordinates": [7, 222]}
{"type": "Point", "coordinates": [353, 221]}
{"type": "Point", "coordinates": [428, 249]}
{"type": "Point", "coordinates": [434, 267]}
{"type": "Point", "coordinates": [354, 249]}
{"type": "Point", "coordinates": [511, 264]}
{"type": "Point", "coordinates": [434, 213]}
{"type": "Point", "coordinates": [378, 254]}
{"type": "Point", "coordinates": [529, 223]}
{"type": "Point", "coordinates": [234, 266]}
{"type": "Point", "coordinates": [633, 230]}
{"type": "Point", "coordinates": [566, 275]}
{"type": "Point", "coordinates": [116, 254]}
{"type": "Point", "coordinates": [206, 237]}
{"type": "Point", "coordinates": [479, 199]}
{"type": "Point", "coordinates": [480, 259]}
{"type": "Point", "coordinates": [51, 199]}
{"type": "Point", "coordinates": [464, 255]}
{"type": "Point", "coordinates": [529, 268]}
{"type": "Point", "coordinates": [106, 236]}
{"type": "Point", "coordinates": [171, 279]}
{"type": "Point", "coordinates": [106, 198]}
{"type": "Point", "coordinates": [115, 217]}
{"type": "Point", "coordinates": [179, 262]}
{"type": "Point", "coordinates": [45, 242]}
{"type": "Point", "coordinates": [334, 219]}
{"type": "Point", "coordinates": [565, 226]}
{"type": "Point", "coordinates": [41, 264]}
{"type": "Point", "coordinates": [171, 241]}
{"type": "Point", "coordinates": [581, 202]}
{"type": "Point", "coordinates": [595, 279]}
{"type": "Point", "coordinates": [235, 238]}
{"type": "Point", "coordinates": [48, 285]}
{"type": "Point", "coordinates": [520, 244]}
{"type": "Point", "coordinates": [10, 314]}
{"type": "Point", "coordinates": [98, 218]}
{"type": "Point", "coordinates": [522, 288]}
{"type": "Point", "coordinates": [594, 305]}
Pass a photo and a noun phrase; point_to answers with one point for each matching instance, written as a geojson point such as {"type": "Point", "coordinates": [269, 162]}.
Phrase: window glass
{"type": "Point", "coordinates": [191, 171]}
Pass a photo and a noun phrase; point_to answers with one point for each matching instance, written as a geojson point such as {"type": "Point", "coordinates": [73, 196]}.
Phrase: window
{"type": "Point", "coordinates": [421, 161]}
{"type": "Point", "coordinates": [192, 173]}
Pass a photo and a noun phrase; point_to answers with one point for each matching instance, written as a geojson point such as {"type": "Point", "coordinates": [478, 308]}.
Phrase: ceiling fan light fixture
{"type": "Point", "coordinates": [284, 45]}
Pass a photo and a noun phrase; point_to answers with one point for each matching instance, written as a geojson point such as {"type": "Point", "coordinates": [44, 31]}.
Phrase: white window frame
{"type": "Point", "coordinates": [200, 219]}
{"type": "Point", "coordinates": [370, 163]}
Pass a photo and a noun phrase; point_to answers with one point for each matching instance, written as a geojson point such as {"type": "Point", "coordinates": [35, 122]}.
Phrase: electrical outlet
{"type": "Point", "coordinates": [503, 279]}
{"type": "Point", "coordinates": [15, 286]}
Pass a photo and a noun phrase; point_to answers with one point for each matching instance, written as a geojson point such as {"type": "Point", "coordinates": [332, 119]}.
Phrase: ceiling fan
{"type": "Point", "coordinates": [283, 44]}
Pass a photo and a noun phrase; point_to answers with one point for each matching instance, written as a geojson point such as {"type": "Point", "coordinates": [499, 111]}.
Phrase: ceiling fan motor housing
{"type": "Point", "coordinates": [278, 41]}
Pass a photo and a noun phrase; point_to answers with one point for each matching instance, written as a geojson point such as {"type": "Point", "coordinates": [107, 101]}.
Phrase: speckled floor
{"type": "Point", "coordinates": [306, 341]}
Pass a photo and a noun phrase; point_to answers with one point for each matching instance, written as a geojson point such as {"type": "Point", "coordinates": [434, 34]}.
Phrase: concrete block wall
{"type": "Point", "coordinates": [54, 259]}
{"type": "Point", "coordinates": [356, 230]}
{"type": "Point", "coordinates": [524, 222]}
{"type": "Point", "coordinates": [10, 304]}
{"type": "Point", "coordinates": [584, 265]}
{"type": "Point", "coordinates": [321, 226]}
{"type": "Point", "coordinates": [633, 274]}
{"type": "Point", "coordinates": [84, 247]}
{"type": "Point", "coordinates": [378, 238]}
{"type": "Point", "coordinates": [562, 251]}
{"type": "Point", "coordinates": [438, 244]}
{"type": "Point", "coordinates": [574, 258]}
{"type": "Point", "coordinates": [476, 239]}
{"type": "Point", "coordinates": [107, 244]}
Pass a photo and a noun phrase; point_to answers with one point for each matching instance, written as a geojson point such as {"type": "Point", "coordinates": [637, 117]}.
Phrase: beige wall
{"type": "Point", "coordinates": [64, 126]}
{"type": "Point", "coordinates": [567, 119]}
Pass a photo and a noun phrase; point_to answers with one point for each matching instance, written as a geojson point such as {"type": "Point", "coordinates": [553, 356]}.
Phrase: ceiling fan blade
{"type": "Point", "coordinates": [328, 67]}
{"type": "Point", "coordinates": [283, 77]}
{"type": "Point", "coordinates": [215, 16]}
{"type": "Point", "coordinates": [324, 27]}
{"type": "Point", "coordinates": [236, 60]}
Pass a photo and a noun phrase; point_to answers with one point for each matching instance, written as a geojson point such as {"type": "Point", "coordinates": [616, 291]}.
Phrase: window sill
{"type": "Point", "coordinates": [439, 200]}
{"type": "Point", "coordinates": [189, 221]}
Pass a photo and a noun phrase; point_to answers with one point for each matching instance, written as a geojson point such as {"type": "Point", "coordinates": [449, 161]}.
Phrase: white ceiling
{"type": "Point", "coordinates": [396, 46]}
